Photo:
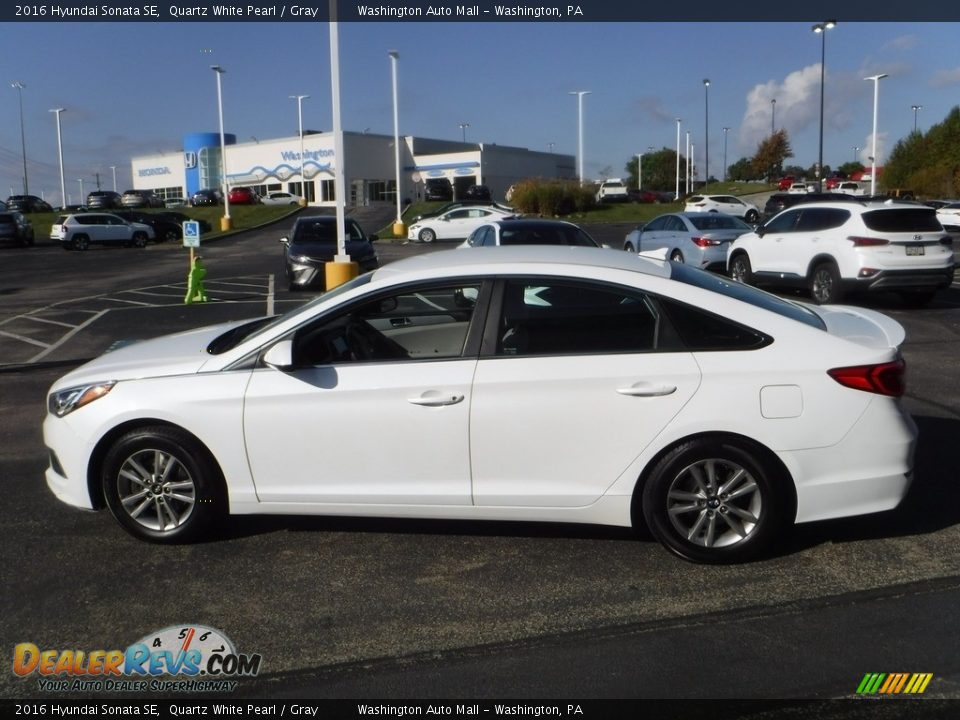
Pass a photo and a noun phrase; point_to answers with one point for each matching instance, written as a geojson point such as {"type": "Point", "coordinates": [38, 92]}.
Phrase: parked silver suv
{"type": "Point", "coordinates": [78, 232]}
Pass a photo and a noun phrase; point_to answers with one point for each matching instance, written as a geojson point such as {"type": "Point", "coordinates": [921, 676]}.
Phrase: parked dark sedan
{"type": "Point", "coordinates": [209, 196]}
{"type": "Point", "coordinates": [477, 192]}
{"type": "Point", "coordinates": [166, 225]}
{"type": "Point", "coordinates": [28, 204]}
{"type": "Point", "coordinates": [104, 200]}
{"type": "Point", "coordinates": [312, 243]}
{"type": "Point", "coordinates": [15, 227]}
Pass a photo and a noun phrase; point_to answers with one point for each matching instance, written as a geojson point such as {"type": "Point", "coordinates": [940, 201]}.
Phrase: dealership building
{"type": "Point", "coordinates": [369, 166]}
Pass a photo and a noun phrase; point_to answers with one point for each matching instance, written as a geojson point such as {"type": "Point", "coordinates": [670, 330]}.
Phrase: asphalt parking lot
{"type": "Point", "coordinates": [377, 608]}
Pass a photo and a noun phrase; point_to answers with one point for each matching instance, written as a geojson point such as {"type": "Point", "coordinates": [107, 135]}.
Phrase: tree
{"type": "Point", "coordinates": [659, 170]}
{"type": "Point", "coordinates": [927, 163]}
{"type": "Point", "coordinates": [742, 169]}
{"type": "Point", "coordinates": [849, 168]}
{"type": "Point", "coordinates": [770, 155]}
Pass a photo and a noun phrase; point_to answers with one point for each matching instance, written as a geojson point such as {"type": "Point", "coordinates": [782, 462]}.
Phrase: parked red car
{"type": "Point", "coordinates": [834, 179]}
{"type": "Point", "coordinates": [243, 196]}
{"type": "Point", "coordinates": [785, 182]}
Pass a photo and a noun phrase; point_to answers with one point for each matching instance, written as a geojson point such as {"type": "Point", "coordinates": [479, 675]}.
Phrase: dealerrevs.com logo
{"type": "Point", "coordinates": [179, 658]}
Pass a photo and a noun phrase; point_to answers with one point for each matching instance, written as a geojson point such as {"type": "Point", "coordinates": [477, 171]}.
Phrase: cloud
{"type": "Point", "coordinates": [946, 77]}
{"type": "Point", "coordinates": [797, 107]}
{"type": "Point", "coordinates": [903, 42]}
{"type": "Point", "coordinates": [867, 149]}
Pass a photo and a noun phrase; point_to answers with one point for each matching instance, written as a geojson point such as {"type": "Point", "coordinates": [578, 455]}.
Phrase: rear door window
{"type": "Point", "coordinates": [817, 219]}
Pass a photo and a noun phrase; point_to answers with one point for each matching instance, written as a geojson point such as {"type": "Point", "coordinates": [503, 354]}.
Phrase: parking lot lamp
{"type": "Point", "coordinates": [63, 184]}
{"type": "Point", "coordinates": [19, 86]}
{"type": "Point", "coordinates": [399, 229]}
{"type": "Point", "coordinates": [916, 109]}
{"type": "Point", "coordinates": [821, 30]}
{"type": "Point", "coordinates": [873, 160]}
{"type": "Point", "coordinates": [225, 222]}
{"type": "Point", "coordinates": [706, 131]}
{"type": "Point", "coordinates": [303, 177]}
{"type": "Point", "coordinates": [725, 131]}
{"type": "Point", "coordinates": [580, 94]}
{"type": "Point", "coordinates": [463, 129]}
{"type": "Point", "coordinates": [676, 192]}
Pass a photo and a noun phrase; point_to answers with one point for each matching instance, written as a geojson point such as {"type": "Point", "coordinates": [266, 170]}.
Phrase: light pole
{"type": "Point", "coordinates": [686, 170]}
{"type": "Point", "coordinates": [773, 116]}
{"type": "Point", "coordinates": [303, 177]}
{"type": "Point", "coordinates": [113, 169]}
{"type": "Point", "coordinates": [725, 131]}
{"type": "Point", "coordinates": [463, 128]}
{"type": "Point", "coordinates": [676, 192]}
{"type": "Point", "coordinates": [19, 86]}
{"type": "Point", "coordinates": [873, 159]}
{"type": "Point", "coordinates": [856, 150]}
{"type": "Point", "coordinates": [706, 131]}
{"type": "Point", "coordinates": [916, 109]}
{"type": "Point", "coordinates": [63, 185]}
{"type": "Point", "coordinates": [398, 227]}
{"type": "Point", "coordinates": [225, 222]}
{"type": "Point", "coordinates": [639, 171]}
{"type": "Point", "coordinates": [580, 94]}
{"type": "Point", "coordinates": [80, 180]}
{"type": "Point", "coordinates": [821, 30]}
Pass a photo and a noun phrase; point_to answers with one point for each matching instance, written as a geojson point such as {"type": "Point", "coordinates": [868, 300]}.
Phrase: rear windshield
{"type": "Point", "coordinates": [745, 293]}
{"type": "Point", "coordinates": [716, 221]}
{"type": "Point", "coordinates": [918, 219]}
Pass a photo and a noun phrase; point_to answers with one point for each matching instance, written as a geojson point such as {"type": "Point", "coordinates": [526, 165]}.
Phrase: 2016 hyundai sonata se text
{"type": "Point", "coordinates": [563, 384]}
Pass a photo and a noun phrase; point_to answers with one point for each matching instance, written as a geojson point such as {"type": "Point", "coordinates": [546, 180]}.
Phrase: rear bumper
{"type": "Point", "coordinates": [905, 280]}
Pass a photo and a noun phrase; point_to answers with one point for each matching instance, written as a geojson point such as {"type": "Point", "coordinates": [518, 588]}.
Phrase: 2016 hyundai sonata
{"type": "Point", "coordinates": [560, 384]}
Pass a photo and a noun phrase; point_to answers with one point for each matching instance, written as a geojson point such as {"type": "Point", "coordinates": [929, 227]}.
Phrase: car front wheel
{"type": "Point", "coordinates": [715, 500]}
{"type": "Point", "coordinates": [427, 235]}
{"type": "Point", "coordinates": [161, 485]}
{"type": "Point", "coordinates": [139, 240]}
{"type": "Point", "coordinates": [740, 269]}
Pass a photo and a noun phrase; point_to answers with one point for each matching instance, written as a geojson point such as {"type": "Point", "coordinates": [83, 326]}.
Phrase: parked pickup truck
{"type": "Point", "coordinates": [612, 190]}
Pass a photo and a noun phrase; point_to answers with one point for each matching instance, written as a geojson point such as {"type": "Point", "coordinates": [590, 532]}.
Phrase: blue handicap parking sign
{"type": "Point", "coordinates": [191, 233]}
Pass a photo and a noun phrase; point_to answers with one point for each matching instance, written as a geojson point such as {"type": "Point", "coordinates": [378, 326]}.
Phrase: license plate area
{"type": "Point", "coordinates": [915, 249]}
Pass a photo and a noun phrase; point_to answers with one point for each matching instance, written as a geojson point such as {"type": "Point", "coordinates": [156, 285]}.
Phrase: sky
{"type": "Point", "coordinates": [134, 89]}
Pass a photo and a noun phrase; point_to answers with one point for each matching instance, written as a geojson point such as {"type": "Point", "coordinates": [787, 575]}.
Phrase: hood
{"type": "Point", "coordinates": [179, 354]}
{"type": "Point", "coordinates": [864, 327]}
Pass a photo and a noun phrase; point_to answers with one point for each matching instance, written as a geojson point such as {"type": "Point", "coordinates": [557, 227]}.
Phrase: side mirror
{"type": "Point", "coordinates": [280, 356]}
{"type": "Point", "coordinates": [760, 231]}
{"type": "Point", "coordinates": [284, 241]}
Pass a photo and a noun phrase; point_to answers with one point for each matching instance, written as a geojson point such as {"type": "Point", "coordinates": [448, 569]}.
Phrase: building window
{"type": "Point", "coordinates": [327, 191]}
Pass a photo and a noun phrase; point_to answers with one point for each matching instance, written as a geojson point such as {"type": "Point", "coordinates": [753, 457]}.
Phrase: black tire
{"type": "Point", "coordinates": [629, 248]}
{"type": "Point", "coordinates": [139, 240]}
{"type": "Point", "coordinates": [824, 284]}
{"type": "Point", "coordinates": [80, 242]}
{"type": "Point", "coordinates": [716, 500]}
{"type": "Point", "coordinates": [179, 496]}
{"type": "Point", "coordinates": [740, 270]}
{"type": "Point", "coordinates": [677, 257]}
{"type": "Point", "coordinates": [427, 236]}
{"type": "Point", "coordinates": [169, 235]}
{"type": "Point", "coordinates": [751, 217]}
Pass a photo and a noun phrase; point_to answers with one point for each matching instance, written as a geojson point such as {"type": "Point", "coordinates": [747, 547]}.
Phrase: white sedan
{"type": "Point", "coordinates": [281, 198]}
{"type": "Point", "coordinates": [456, 224]}
{"type": "Point", "coordinates": [469, 385]}
{"type": "Point", "coordinates": [949, 214]}
{"type": "Point", "coordinates": [729, 204]}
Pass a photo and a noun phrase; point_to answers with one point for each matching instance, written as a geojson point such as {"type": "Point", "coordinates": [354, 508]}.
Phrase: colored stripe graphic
{"type": "Point", "coordinates": [894, 683]}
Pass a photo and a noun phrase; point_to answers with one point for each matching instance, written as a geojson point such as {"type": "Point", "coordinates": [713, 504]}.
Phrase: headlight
{"type": "Point", "coordinates": [64, 402]}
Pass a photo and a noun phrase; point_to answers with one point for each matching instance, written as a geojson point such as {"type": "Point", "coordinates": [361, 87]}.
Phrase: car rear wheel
{"type": "Point", "coordinates": [80, 242]}
{"type": "Point", "coordinates": [676, 256]}
{"type": "Point", "coordinates": [825, 286]}
{"type": "Point", "coordinates": [740, 270]}
{"type": "Point", "coordinates": [752, 216]}
{"type": "Point", "coordinates": [715, 500]}
{"type": "Point", "coordinates": [629, 248]}
{"type": "Point", "coordinates": [427, 235]}
{"type": "Point", "coordinates": [161, 485]}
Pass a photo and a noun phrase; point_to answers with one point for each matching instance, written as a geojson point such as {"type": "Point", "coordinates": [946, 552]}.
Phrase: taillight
{"type": "Point", "coordinates": [884, 379]}
{"type": "Point", "coordinates": [867, 241]}
{"type": "Point", "coordinates": [704, 241]}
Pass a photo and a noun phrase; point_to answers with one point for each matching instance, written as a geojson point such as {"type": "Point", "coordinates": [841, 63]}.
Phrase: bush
{"type": "Point", "coordinates": [550, 198]}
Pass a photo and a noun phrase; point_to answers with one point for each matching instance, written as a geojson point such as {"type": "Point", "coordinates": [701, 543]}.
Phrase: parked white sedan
{"type": "Point", "coordinates": [281, 198]}
{"type": "Point", "coordinates": [729, 204]}
{"type": "Point", "coordinates": [469, 385]}
{"type": "Point", "coordinates": [456, 224]}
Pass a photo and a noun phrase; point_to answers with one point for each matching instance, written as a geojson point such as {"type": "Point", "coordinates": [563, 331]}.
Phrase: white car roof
{"type": "Point", "coordinates": [489, 260]}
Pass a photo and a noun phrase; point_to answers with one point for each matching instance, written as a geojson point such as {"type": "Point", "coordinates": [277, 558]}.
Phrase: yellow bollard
{"type": "Point", "coordinates": [399, 229]}
{"type": "Point", "coordinates": [337, 273]}
{"type": "Point", "coordinates": [226, 223]}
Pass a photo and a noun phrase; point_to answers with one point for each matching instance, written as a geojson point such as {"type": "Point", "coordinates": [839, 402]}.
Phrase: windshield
{"type": "Point", "coordinates": [236, 335]}
{"type": "Point", "coordinates": [746, 293]}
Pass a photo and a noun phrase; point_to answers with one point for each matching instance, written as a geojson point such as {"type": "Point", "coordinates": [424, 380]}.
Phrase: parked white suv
{"type": "Point", "coordinates": [833, 248]}
{"type": "Point", "coordinates": [612, 190]}
{"type": "Point", "coordinates": [79, 231]}
{"type": "Point", "coordinates": [729, 204]}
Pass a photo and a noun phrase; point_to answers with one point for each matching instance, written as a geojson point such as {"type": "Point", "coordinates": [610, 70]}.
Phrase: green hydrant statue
{"type": "Point", "coordinates": [195, 291]}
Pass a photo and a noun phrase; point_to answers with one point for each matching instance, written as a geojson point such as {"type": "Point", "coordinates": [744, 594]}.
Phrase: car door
{"type": "Point", "coordinates": [375, 408]}
{"type": "Point", "coordinates": [652, 235]}
{"type": "Point", "coordinates": [573, 383]}
{"type": "Point", "coordinates": [770, 252]}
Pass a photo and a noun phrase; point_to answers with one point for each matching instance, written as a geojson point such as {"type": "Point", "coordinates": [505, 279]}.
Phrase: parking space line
{"type": "Point", "coordinates": [46, 320]}
{"type": "Point", "coordinates": [61, 341]}
{"type": "Point", "coordinates": [24, 339]}
{"type": "Point", "coordinates": [129, 302]}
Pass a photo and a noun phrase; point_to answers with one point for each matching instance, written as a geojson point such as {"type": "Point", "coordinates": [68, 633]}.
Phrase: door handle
{"type": "Point", "coordinates": [433, 398]}
{"type": "Point", "coordinates": [647, 390]}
